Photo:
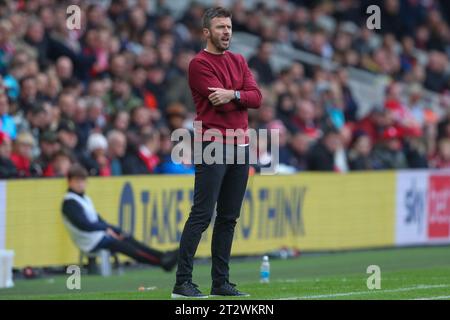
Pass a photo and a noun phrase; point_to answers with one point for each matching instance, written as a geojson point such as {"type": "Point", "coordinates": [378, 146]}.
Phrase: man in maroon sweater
{"type": "Point", "coordinates": [223, 88]}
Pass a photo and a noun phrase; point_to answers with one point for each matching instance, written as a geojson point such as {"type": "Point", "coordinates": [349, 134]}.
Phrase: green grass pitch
{"type": "Point", "coordinates": [407, 273]}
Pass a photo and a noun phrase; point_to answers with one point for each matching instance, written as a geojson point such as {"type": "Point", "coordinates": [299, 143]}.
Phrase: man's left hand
{"type": "Point", "coordinates": [220, 96]}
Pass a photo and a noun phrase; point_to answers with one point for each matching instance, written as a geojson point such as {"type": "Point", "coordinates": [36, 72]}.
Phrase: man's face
{"type": "Point", "coordinates": [78, 184]}
{"type": "Point", "coordinates": [220, 33]}
{"type": "Point", "coordinates": [332, 142]}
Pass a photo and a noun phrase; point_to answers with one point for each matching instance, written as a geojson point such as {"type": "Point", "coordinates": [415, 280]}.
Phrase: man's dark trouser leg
{"type": "Point", "coordinates": [229, 204]}
{"type": "Point", "coordinates": [208, 179]}
{"type": "Point", "coordinates": [131, 250]}
{"type": "Point", "coordinates": [138, 245]}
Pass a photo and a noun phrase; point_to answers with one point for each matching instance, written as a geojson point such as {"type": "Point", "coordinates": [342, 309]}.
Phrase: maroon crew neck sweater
{"type": "Point", "coordinates": [229, 71]}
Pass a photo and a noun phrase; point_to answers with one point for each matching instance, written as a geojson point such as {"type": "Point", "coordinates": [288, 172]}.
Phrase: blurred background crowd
{"type": "Point", "coordinates": [109, 94]}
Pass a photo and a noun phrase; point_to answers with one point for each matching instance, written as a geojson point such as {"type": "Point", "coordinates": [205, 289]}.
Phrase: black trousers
{"type": "Point", "coordinates": [224, 185]}
{"type": "Point", "coordinates": [131, 248]}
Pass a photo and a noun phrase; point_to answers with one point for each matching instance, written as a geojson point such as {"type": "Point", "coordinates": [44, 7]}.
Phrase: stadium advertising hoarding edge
{"type": "Point", "coordinates": [423, 207]}
{"type": "Point", "coordinates": [309, 212]}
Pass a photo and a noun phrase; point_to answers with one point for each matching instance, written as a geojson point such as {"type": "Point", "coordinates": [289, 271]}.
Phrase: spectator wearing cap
{"type": "Point", "coordinates": [49, 146]}
{"type": "Point", "coordinates": [96, 161]}
{"type": "Point", "coordinates": [7, 124]}
{"type": "Point", "coordinates": [388, 153]}
{"type": "Point", "coordinates": [22, 156]}
{"type": "Point", "coordinates": [7, 168]}
{"type": "Point", "coordinates": [68, 138]}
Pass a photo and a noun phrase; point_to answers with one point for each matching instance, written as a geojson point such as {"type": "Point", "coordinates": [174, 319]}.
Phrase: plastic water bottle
{"type": "Point", "coordinates": [105, 267]}
{"type": "Point", "coordinates": [265, 270]}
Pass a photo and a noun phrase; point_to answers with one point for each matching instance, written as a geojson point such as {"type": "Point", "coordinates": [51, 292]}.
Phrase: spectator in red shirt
{"type": "Point", "coordinates": [22, 155]}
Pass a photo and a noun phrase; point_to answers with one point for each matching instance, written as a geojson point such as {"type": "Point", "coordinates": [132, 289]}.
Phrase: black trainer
{"type": "Point", "coordinates": [228, 289]}
{"type": "Point", "coordinates": [169, 260]}
{"type": "Point", "coordinates": [187, 290]}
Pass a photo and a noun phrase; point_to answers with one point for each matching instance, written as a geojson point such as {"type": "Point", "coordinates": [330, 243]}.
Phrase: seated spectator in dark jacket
{"type": "Point", "coordinates": [299, 146]}
{"type": "Point", "coordinates": [414, 148]}
{"type": "Point", "coordinates": [261, 63]}
{"type": "Point", "coordinates": [91, 233]}
{"type": "Point", "coordinates": [68, 138]}
{"type": "Point", "coordinates": [7, 168]}
{"type": "Point", "coordinates": [145, 159]}
{"type": "Point", "coordinates": [285, 111]}
{"type": "Point", "coordinates": [388, 153]}
{"type": "Point", "coordinates": [49, 146]}
{"type": "Point", "coordinates": [360, 154]}
{"type": "Point", "coordinates": [321, 156]}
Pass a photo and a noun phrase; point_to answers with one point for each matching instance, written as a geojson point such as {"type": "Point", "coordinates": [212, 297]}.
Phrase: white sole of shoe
{"type": "Point", "coordinates": [180, 296]}
{"type": "Point", "coordinates": [218, 295]}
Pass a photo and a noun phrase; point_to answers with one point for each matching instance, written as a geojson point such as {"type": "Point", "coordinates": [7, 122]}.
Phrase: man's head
{"type": "Point", "coordinates": [331, 140]}
{"type": "Point", "coordinates": [77, 178]}
{"type": "Point", "coordinates": [61, 163]}
{"type": "Point", "coordinates": [217, 28]}
{"type": "Point", "coordinates": [117, 144]}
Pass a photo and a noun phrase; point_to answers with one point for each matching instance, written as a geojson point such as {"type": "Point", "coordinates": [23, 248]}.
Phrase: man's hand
{"type": "Point", "coordinates": [220, 96]}
{"type": "Point", "coordinates": [114, 234]}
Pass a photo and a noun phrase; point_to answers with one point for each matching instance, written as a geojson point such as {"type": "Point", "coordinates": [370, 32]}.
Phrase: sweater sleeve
{"type": "Point", "coordinates": [201, 77]}
{"type": "Point", "coordinates": [251, 96]}
{"type": "Point", "coordinates": [73, 212]}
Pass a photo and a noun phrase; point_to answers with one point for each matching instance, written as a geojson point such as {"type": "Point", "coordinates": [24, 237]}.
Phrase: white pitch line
{"type": "Point", "coordinates": [353, 293]}
{"type": "Point", "coordinates": [434, 298]}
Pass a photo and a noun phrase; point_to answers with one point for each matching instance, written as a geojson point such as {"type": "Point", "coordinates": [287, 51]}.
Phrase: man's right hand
{"type": "Point", "coordinates": [114, 234]}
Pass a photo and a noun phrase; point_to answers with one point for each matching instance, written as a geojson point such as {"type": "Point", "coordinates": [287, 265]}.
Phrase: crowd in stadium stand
{"type": "Point", "coordinates": [109, 95]}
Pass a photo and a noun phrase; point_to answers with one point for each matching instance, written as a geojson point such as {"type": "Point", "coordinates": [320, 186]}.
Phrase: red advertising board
{"type": "Point", "coordinates": [439, 207]}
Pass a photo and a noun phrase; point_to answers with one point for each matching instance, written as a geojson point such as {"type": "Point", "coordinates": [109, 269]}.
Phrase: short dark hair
{"type": "Point", "coordinates": [77, 171]}
{"type": "Point", "coordinates": [216, 12]}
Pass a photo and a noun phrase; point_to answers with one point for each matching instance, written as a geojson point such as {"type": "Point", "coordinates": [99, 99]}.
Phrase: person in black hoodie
{"type": "Point", "coordinates": [321, 155]}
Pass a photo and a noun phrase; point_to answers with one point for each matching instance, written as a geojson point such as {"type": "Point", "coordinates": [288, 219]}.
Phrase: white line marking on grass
{"type": "Point", "coordinates": [354, 293]}
{"type": "Point", "coordinates": [434, 298]}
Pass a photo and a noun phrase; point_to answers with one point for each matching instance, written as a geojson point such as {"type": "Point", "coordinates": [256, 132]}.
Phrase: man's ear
{"type": "Point", "coordinates": [206, 33]}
